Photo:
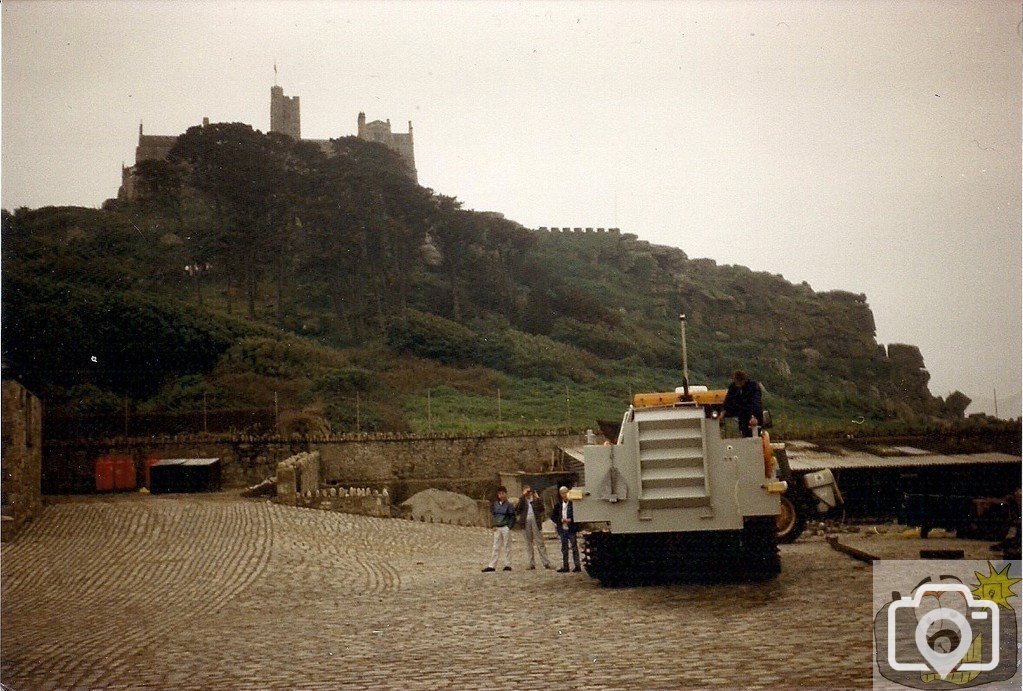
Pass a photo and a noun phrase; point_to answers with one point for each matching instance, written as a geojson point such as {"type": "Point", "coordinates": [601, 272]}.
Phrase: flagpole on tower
{"type": "Point", "coordinates": [275, 73]}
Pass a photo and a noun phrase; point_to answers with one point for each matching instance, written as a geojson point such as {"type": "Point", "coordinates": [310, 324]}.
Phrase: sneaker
{"type": "Point", "coordinates": [488, 569]}
{"type": "Point", "coordinates": [532, 567]}
{"type": "Point", "coordinates": [563, 569]}
{"type": "Point", "coordinates": [548, 567]}
{"type": "Point", "coordinates": [507, 568]}
{"type": "Point", "coordinates": [577, 569]}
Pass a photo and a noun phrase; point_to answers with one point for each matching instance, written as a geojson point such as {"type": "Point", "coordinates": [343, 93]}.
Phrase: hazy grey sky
{"type": "Point", "coordinates": [868, 146]}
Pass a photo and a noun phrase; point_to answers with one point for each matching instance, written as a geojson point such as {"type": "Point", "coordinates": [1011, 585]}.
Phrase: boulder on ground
{"type": "Point", "coordinates": [439, 506]}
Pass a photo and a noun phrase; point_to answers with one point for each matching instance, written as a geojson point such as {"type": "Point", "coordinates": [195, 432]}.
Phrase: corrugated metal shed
{"type": "Point", "coordinates": [808, 460]}
{"type": "Point", "coordinates": [807, 456]}
{"type": "Point", "coordinates": [185, 475]}
{"type": "Point", "coordinates": [186, 461]}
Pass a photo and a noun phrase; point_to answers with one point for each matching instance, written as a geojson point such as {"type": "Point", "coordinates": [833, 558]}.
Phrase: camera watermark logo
{"type": "Point", "coordinates": [946, 624]}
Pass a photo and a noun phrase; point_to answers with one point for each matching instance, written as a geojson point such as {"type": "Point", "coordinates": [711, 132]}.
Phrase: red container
{"type": "Point", "coordinates": [124, 472]}
{"type": "Point", "coordinates": [104, 474]}
{"type": "Point", "coordinates": [115, 472]}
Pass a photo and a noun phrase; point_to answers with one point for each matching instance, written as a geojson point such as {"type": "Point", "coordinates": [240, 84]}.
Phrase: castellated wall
{"type": "Point", "coordinates": [401, 463]}
{"type": "Point", "coordinates": [556, 229]}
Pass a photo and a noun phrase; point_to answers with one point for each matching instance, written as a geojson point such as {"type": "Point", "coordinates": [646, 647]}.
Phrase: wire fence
{"type": "Point", "coordinates": [435, 410]}
{"type": "Point", "coordinates": [62, 427]}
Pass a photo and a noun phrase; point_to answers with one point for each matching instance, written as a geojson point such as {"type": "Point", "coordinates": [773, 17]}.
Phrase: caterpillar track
{"type": "Point", "coordinates": [749, 555]}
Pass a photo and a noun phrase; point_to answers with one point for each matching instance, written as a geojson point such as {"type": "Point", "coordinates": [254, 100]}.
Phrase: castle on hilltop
{"type": "Point", "coordinates": [285, 118]}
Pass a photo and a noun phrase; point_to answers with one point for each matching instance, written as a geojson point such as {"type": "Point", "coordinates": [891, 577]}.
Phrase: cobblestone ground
{"type": "Point", "coordinates": [214, 591]}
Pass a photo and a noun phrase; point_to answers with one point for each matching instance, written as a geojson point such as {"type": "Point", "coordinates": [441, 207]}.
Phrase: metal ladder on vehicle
{"type": "Point", "coordinates": [672, 458]}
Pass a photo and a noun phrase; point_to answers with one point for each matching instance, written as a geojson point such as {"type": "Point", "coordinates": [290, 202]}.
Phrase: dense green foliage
{"type": "Point", "coordinates": [251, 268]}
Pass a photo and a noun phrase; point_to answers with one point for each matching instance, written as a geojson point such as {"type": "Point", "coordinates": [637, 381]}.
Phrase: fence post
{"type": "Point", "coordinates": [568, 408]}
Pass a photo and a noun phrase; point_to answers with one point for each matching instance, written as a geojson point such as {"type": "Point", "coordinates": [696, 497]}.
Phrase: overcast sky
{"type": "Point", "coordinates": [868, 146]}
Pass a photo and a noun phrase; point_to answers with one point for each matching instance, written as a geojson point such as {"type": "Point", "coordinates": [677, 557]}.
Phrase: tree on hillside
{"type": "Point", "coordinates": [457, 234]}
{"type": "Point", "coordinates": [509, 245]}
{"type": "Point", "coordinates": [249, 179]}
{"type": "Point", "coordinates": [158, 185]}
{"type": "Point", "coordinates": [363, 222]}
{"type": "Point", "coordinates": [956, 404]}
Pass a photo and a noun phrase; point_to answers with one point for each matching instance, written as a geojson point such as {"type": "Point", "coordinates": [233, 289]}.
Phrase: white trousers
{"type": "Point", "coordinates": [502, 539]}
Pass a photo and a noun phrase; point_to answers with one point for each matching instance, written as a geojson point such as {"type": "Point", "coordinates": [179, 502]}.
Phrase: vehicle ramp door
{"type": "Point", "coordinates": [672, 458]}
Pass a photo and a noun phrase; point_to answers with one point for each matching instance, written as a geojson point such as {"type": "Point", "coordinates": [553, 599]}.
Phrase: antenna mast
{"type": "Point", "coordinates": [685, 358]}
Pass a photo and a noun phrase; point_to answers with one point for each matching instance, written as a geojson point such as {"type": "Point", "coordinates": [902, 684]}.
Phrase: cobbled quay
{"type": "Point", "coordinates": [219, 592]}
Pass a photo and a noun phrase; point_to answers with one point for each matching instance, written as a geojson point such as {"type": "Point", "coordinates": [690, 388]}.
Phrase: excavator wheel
{"type": "Point", "coordinates": [790, 522]}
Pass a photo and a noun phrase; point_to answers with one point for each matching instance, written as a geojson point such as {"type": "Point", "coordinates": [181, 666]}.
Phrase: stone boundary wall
{"type": "Point", "coordinates": [231, 437]}
{"type": "Point", "coordinates": [358, 500]}
{"type": "Point", "coordinates": [69, 466]}
{"type": "Point", "coordinates": [364, 502]}
{"type": "Point", "coordinates": [22, 457]}
{"type": "Point", "coordinates": [402, 463]}
{"type": "Point", "coordinates": [467, 465]}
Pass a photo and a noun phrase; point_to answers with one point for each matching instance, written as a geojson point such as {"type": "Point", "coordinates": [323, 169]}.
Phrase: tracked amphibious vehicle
{"type": "Point", "coordinates": [674, 500]}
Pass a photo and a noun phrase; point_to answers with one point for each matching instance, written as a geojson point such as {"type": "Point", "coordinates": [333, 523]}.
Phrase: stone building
{"type": "Point", "coordinates": [285, 118]}
{"type": "Point", "coordinates": [21, 485]}
{"type": "Point", "coordinates": [285, 114]}
{"type": "Point", "coordinates": [151, 147]}
{"type": "Point", "coordinates": [380, 131]}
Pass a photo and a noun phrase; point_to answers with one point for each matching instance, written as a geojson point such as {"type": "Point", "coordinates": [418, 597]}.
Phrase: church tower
{"type": "Point", "coordinates": [284, 113]}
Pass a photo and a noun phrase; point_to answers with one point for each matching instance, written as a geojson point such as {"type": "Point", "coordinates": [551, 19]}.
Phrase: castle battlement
{"type": "Point", "coordinates": [580, 231]}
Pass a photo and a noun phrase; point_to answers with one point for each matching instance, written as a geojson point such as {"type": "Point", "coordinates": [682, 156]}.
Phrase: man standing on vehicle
{"type": "Point", "coordinates": [743, 402]}
{"type": "Point", "coordinates": [529, 517]}
{"type": "Point", "coordinates": [503, 517]}
{"type": "Point", "coordinates": [563, 516]}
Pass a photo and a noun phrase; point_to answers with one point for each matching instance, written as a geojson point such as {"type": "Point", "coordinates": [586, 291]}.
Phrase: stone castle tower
{"type": "Point", "coordinates": [285, 115]}
{"type": "Point", "coordinates": [286, 118]}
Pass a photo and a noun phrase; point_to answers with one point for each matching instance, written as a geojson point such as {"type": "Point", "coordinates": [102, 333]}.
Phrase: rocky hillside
{"type": "Point", "coordinates": [252, 266]}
